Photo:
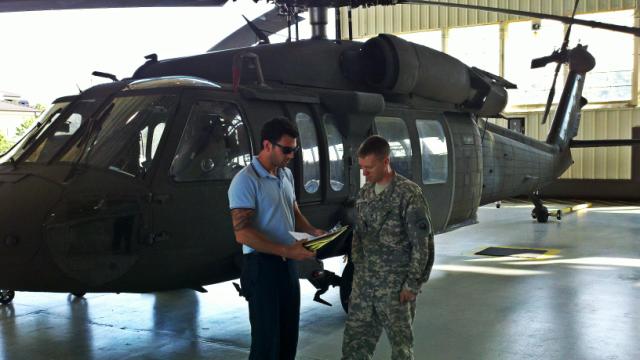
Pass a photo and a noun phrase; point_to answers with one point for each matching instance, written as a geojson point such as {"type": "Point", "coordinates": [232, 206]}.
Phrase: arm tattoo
{"type": "Point", "coordinates": [242, 218]}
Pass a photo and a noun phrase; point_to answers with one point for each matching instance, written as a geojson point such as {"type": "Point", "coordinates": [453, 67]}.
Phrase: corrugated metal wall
{"type": "Point", "coordinates": [371, 21]}
{"type": "Point", "coordinates": [606, 123]}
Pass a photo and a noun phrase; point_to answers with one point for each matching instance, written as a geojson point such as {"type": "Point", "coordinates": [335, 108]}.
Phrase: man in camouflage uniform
{"type": "Point", "coordinates": [392, 253]}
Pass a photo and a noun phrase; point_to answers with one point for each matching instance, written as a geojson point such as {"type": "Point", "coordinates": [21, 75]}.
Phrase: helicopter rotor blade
{"type": "Point", "coordinates": [563, 50]}
{"type": "Point", "coordinates": [268, 23]}
{"type": "Point", "coordinates": [35, 5]}
{"type": "Point", "coordinates": [39, 5]}
{"type": "Point", "coordinates": [552, 94]}
{"type": "Point", "coordinates": [565, 19]}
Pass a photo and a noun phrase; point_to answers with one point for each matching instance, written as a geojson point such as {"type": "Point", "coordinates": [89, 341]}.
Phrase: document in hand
{"type": "Point", "coordinates": [315, 243]}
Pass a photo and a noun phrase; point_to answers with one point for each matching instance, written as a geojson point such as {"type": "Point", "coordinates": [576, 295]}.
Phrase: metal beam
{"type": "Point", "coordinates": [39, 5]}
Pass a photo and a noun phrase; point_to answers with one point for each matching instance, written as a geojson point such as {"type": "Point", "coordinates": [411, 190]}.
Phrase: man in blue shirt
{"type": "Point", "coordinates": [264, 209]}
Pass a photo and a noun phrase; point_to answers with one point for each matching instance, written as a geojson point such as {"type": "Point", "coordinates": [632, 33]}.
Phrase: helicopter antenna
{"type": "Point", "coordinates": [285, 11]}
{"type": "Point", "coordinates": [484, 130]}
{"type": "Point", "coordinates": [79, 90]}
{"type": "Point", "coordinates": [562, 53]}
{"type": "Point", "coordinates": [259, 33]}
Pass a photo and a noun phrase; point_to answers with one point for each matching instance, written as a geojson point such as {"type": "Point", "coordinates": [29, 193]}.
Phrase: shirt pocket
{"type": "Point", "coordinates": [392, 227]}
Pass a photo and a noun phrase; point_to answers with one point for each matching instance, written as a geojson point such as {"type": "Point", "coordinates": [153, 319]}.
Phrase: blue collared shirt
{"type": "Point", "coordinates": [271, 197]}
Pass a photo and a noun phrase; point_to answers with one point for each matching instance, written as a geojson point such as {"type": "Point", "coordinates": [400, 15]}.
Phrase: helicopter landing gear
{"type": "Point", "coordinates": [539, 212]}
{"type": "Point", "coordinates": [541, 215]}
{"type": "Point", "coordinates": [322, 279]}
{"type": "Point", "coordinates": [6, 296]}
{"type": "Point", "coordinates": [345, 286]}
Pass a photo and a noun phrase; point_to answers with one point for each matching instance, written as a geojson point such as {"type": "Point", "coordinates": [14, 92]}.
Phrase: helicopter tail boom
{"type": "Point", "coordinates": [567, 118]}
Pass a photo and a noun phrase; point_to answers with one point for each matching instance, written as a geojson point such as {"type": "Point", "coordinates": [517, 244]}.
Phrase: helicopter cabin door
{"type": "Point", "coordinates": [191, 218]}
{"type": "Point", "coordinates": [436, 166]}
{"type": "Point", "coordinates": [419, 151]}
{"type": "Point", "coordinates": [96, 234]}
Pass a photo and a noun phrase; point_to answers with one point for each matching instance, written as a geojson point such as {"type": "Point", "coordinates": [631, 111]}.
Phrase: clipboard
{"type": "Point", "coordinates": [315, 243]}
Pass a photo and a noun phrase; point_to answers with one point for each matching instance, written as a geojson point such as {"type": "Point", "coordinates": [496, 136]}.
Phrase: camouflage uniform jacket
{"type": "Point", "coordinates": [393, 244]}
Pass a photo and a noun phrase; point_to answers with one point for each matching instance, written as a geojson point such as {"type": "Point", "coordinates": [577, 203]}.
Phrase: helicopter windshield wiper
{"type": "Point", "coordinates": [93, 127]}
{"type": "Point", "coordinates": [13, 162]}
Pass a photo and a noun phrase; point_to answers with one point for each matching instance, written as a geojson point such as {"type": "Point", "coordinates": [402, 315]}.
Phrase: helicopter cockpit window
{"type": "Point", "coordinates": [336, 153]}
{"type": "Point", "coordinates": [122, 139]}
{"type": "Point", "coordinates": [310, 154]}
{"type": "Point", "coordinates": [214, 144]}
{"type": "Point", "coordinates": [42, 123]}
{"type": "Point", "coordinates": [62, 131]}
{"type": "Point", "coordinates": [395, 131]}
{"type": "Point", "coordinates": [433, 147]}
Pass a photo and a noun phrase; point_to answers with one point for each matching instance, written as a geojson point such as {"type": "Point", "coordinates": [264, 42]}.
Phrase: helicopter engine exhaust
{"type": "Point", "coordinates": [396, 66]}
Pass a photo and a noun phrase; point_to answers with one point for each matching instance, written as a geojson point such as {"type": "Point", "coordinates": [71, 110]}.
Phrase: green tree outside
{"type": "Point", "coordinates": [24, 127]}
{"type": "Point", "coordinates": [5, 144]}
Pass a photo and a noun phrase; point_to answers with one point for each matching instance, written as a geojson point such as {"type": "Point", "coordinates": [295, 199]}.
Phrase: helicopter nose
{"type": "Point", "coordinates": [26, 203]}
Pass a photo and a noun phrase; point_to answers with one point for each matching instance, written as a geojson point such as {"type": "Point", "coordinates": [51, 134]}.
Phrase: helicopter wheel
{"type": "Point", "coordinates": [79, 294]}
{"type": "Point", "coordinates": [345, 286]}
{"type": "Point", "coordinates": [6, 296]}
{"type": "Point", "coordinates": [559, 215]}
{"type": "Point", "coordinates": [541, 215]}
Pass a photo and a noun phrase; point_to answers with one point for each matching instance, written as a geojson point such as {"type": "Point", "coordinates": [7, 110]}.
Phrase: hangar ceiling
{"type": "Point", "coordinates": [410, 18]}
{"type": "Point", "coordinates": [34, 5]}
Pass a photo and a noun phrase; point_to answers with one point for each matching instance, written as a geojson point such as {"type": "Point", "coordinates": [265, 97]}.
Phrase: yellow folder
{"type": "Point", "coordinates": [316, 243]}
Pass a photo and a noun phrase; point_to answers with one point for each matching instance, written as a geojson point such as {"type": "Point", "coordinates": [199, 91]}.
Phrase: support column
{"type": "Point", "coordinates": [635, 156]}
{"type": "Point", "coordinates": [635, 76]}
{"type": "Point", "coordinates": [503, 39]}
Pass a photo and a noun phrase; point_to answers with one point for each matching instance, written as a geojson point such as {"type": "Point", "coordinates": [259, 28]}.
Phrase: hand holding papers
{"type": "Point", "coordinates": [316, 242]}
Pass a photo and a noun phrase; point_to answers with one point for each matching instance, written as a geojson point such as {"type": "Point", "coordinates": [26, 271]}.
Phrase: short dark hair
{"type": "Point", "coordinates": [275, 128]}
{"type": "Point", "coordinates": [376, 145]}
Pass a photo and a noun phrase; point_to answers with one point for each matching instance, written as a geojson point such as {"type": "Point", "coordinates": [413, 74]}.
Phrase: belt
{"type": "Point", "coordinates": [265, 255]}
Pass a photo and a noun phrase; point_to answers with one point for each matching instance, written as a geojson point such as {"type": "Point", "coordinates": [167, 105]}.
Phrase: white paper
{"type": "Point", "coordinates": [300, 235]}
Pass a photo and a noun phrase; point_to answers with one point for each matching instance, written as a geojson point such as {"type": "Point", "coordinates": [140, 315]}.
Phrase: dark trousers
{"type": "Point", "coordinates": [272, 288]}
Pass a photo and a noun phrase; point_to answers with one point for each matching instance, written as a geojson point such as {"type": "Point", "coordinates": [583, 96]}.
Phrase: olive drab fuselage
{"type": "Point", "coordinates": [123, 187]}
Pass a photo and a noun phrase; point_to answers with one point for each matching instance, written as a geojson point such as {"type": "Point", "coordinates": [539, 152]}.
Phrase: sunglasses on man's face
{"type": "Point", "coordinates": [287, 149]}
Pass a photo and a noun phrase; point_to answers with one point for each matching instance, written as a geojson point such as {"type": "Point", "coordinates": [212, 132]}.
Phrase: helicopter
{"type": "Point", "coordinates": [123, 187]}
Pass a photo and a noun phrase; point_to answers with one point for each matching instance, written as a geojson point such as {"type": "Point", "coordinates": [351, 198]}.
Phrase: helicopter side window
{"type": "Point", "coordinates": [433, 147]}
{"type": "Point", "coordinates": [214, 144]}
{"type": "Point", "coordinates": [336, 153]}
{"type": "Point", "coordinates": [395, 131]}
{"type": "Point", "coordinates": [310, 153]}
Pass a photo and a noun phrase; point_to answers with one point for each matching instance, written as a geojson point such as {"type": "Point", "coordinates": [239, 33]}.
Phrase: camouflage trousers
{"type": "Point", "coordinates": [368, 316]}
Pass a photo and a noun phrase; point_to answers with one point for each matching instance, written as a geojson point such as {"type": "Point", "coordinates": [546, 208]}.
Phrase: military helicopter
{"type": "Point", "coordinates": [123, 188]}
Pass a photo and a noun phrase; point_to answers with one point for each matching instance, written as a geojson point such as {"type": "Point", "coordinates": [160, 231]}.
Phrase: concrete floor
{"type": "Point", "coordinates": [582, 304]}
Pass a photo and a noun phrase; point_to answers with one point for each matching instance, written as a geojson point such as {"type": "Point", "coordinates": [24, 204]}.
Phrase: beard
{"type": "Point", "coordinates": [279, 163]}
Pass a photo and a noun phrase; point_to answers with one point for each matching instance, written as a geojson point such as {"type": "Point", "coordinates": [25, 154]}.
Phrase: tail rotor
{"type": "Point", "coordinates": [558, 56]}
